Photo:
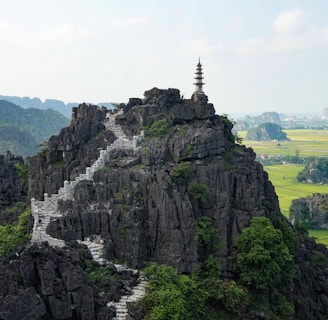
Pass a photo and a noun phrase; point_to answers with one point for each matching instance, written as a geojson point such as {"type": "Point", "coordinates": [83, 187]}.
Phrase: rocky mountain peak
{"type": "Point", "coordinates": [149, 179]}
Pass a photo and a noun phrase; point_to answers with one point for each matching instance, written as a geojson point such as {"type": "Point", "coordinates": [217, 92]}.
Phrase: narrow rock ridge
{"type": "Point", "coordinates": [47, 210]}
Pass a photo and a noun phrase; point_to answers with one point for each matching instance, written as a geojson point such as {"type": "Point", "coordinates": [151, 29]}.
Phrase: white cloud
{"type": "Point", "coordinates": [124, 23]}
{"type": "Point", "coordinates": [290, 21]}
{"type": "Point", "coordinates": [291, 33]}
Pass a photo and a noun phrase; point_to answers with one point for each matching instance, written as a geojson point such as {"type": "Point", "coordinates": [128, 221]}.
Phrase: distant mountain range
{"type": "Point", "coordinates": [57, 105]}
{"type": "Point", "coordinates": [21, 130]}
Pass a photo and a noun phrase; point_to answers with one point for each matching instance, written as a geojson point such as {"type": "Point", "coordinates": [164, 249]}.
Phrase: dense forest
{"type": "Point", "coordinates": [21, 130]}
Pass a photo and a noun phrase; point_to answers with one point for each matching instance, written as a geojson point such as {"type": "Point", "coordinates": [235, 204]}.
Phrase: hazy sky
{"type": "Point", "coordinates": [257, 55]}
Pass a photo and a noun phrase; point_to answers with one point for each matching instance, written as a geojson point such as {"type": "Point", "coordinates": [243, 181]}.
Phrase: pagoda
{"type": "Point", "coordinates": [198, 82]}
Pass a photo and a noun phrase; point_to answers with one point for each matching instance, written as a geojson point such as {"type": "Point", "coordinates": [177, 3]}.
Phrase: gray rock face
{"type": "Point", "coordinates": [41, 282]}
{"type": "Point", "coordinates": [147, 208]}
{"type": "Point", "coordinates": [69, 153]}
{"type": "Point", "coordinates": [266, 131]}
{"type": "Point", "coordinates": [310, 212]}
{"type": "Point", "coordinates": [12, 188]}
{"type": "Point", "coordinates": [143, 214]}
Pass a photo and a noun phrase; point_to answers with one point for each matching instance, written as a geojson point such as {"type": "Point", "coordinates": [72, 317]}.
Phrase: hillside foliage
{"type": "Point", "coordinates": [16, 233]}
{"type": "Point", "coordinates": [21, 130]}
{"type": "Point", "coordinates": [266, 131]}
{"type": "Point", "coordinates": [316, 171]}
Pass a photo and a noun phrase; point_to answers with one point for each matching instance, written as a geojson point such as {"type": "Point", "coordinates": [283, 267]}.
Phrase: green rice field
{"type": "Point", "coordinates": [320, 236]}
{"type": "Point", "coordinates": [309, 142]}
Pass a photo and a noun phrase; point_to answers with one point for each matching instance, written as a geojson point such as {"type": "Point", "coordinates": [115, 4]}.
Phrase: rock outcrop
{"type": "Point", "coordinates": [310, 212]}
{"type": "Point", "coordinates": [41, 282]}
{"type": "Point", "coordinates": [12, 187]}
{"type": "Point", "coordinates": [266, 131]}
{"type": "Point", "coordinates": [145, 203]}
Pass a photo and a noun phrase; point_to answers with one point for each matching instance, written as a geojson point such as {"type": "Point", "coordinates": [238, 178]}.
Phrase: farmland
{"type": "Point", "coordinates": [308, 143]}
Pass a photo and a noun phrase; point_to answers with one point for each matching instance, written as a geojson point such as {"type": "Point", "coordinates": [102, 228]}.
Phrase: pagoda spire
{"type": "Point", "coordinates": [199, 79]}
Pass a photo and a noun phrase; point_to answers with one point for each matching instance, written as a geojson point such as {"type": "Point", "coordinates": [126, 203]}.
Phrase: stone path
{"type": "Point", "coordinates": [47, 210]}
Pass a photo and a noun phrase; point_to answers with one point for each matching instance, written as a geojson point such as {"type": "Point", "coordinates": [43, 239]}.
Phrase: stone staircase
{"type": "Point", "coordinates": [136, 295]}
{"type": "Point", "coordinates": [137, 292]}
{"type": "Point", "coordinates": [96, 248]}
{"type": "Point", "coordinates": [47, 210]}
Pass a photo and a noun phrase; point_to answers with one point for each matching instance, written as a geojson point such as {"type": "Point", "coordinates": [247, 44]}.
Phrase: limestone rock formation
{"type": "Point", "coordinates": [41, 282]}
{"type": "Point", "coordinates": [266, 131]}
{"type": "Point", "coordinates": [310, 212]}
{"type": "Point", "coordinates": [12, 188]}
{"type": "Point", "coordinates": [145, 202]}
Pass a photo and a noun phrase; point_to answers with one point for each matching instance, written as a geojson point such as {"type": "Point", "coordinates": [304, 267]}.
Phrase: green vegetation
{"type": "Point", "coordinates": [159, 129]}
{"type": "Point", "coordinates": [198, 191]}
{"type": "Point", "coordinates": [104, 169]}
{"type": "Point", "coordinates": [98, 275]}
{"type": "Point", "coordinates": [16, 140]}
{"type": "Point", "coordinates": [181, 172]}
{"type": "Point", "coordinates": [308, 142]}
{"type": "Point", "coordinates": [59, 164]}
{"type": "Point", "coordinates": [15, 209]}
{"type": "Point", "coordinates": [171, 295]}
{"type": "Point", "coordinates": [22, 170]}
{"type": "Point", "coordinates": [205, 231]}
{"type": "Point", "coordinates": [265, 261]}
{"type": "Point", "coordinates": [202, 295]}
{"type": "Point", "coordinates": [263, 258]}
{"type": "Point", "coordinates": [283, 177]}
{"type": "Point", "coordinates": [320, 235]}
{"type": "Point", "coordinates": [22, 129]}
{"type": "Point", "coordinates": [303, 144]}
{"type": "Point", "coordinates": [315, 171]}
{"type": "Point", "coordinates": [266, 131]}
{"type": "Point", "coordinates": [14, 234]}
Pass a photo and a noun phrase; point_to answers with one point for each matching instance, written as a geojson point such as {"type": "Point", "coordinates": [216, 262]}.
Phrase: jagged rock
{"type": "Point", "coordinates": [152, 218]}
{"type": "Point", "coordinates": [24, 304]}
{"type": "Point", "coordinates": [12, 188]}
{"type": "Point", "coordinates": [68, 154]}
{"type": "Point", "coordinates": [310, 212]}
{"type": "Point", "coordinates": [43, 282]}
{"type": "Point", "coordinates": [143, 213]}
{"type": "Point", "coordinates": [266, 131]}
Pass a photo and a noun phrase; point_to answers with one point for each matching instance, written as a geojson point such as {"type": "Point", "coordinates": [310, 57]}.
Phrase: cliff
{"type": "Point", "coordinates": [266, 131]}
{"type": "Point", "coordinates": [13, 188]}
{"type": "Point", "coordinates": [310, 212]}
{"type": "Point", "coordinates": [144, 203]}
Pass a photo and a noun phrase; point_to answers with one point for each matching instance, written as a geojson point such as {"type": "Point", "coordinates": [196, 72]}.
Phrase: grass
{"type": "Point", "coordinates": [310, 143]}
{"type": "Point", "coordinates": [283, 177]}
{"type": "Point", "coordinates": [320, 235]}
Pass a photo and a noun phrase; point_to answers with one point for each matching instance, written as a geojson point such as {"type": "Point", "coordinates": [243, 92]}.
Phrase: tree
{"type": "Point", "coordinates": [263, 258]}
{"type": "Point", "coordinates": [172, 296]}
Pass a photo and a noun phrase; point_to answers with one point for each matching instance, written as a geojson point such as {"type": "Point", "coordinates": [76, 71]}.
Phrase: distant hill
{"type": "Point", "coordinates": [266, 131]}
{"type": "Point", "coordinates": [310, 212]}
{"type": "Point", "coordinates": [57, 105]}
{"type": "Point", "coordinates": [17, 141]}
{"type": "Point", "coordinates": [266, 117]}
{"type": "Point", "coordinates": [316, 171]}
{"type": "Point", "coordinates": [22, 129]}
